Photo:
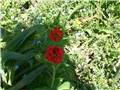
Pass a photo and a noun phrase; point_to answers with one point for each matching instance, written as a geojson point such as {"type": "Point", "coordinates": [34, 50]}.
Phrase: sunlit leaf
{"type": "Point", "coordinates": [65, 85]}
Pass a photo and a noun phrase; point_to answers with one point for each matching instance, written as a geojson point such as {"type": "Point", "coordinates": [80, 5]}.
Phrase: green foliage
{"type": "Point", "coordinates": [65, 85]}
{"type": "Point", "coordinates": [91, 43]}
{"type": "Point", "coordinates": [10, 58]}
{"type": "Point", "coordinates": [27, 80]}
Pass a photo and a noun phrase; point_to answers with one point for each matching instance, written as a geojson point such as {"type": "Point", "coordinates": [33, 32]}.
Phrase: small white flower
{"type": "Point", "coordinates": [66, 2]}
{"type": "Point", "coordinates": [40, 14]}
{"type": "Point", "coordinates": [103, 9]}
{"type": "Point", "coordinates": [118, 85]}
{"type": "Point", "coordinates": [36, 4]}
{"type": "Point", "coordinates": [54, 15]}
{"type": "Point", "coordinates": [101, 70]}
{"type": "Point", "coordinates": [84, 10]}
{"type": "Point", "coordinates": [98, 57]}
{"type": "Point", "coordinates": [96, 89]}
{"type": "Point", "coordinates": [12, 17]}
{"type": "Point", "coordinates": [82, 33]}
{"type": "Point", "coordinates": [114, 68]}
{"type": "Point", "coordinates": [88, 59]}
{"type": "Point", "coordinates": [74, 48]}
{"type": "Point", "coordinates": [59, 8]}
{"type": "Point", "coordinates": [117, 20]}
{"type": "Point", "coordinates": [50, 10]}
{"type": "Point", "coordinates": [12, 10]}
{"type": "Point", "coordinates": [69, 11]}
{"type": "Point", "coordinates": [94, 69]}
{"type": "Point", "coordinates": [81, 10]}
{"type": "Point", "coordinates": [119, 56]}
{"type": "Point", "coordinates": [63, 13]}
{"type": "Point", "coordinates": [91, 12]}
{"type": "Point", "coordinates": [16, 18]}
{"type": "Point", "coordinates": [1, 16]}
{"type": "Point", "coordinates": [109, 14]}
{"type": "Point", "coordinates": [77, 35]}
{"type": "Point", "coordinates": [94, 44]}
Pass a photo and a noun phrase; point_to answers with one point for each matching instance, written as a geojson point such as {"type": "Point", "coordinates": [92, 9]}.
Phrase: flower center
{"type": "Point", "coordinates": [54, 53]}
{"type": "Point", "coordinates": [55, 34]}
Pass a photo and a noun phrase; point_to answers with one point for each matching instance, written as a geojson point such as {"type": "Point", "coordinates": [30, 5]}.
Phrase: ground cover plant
{"type": "Point", "coordinates": [60, 45]}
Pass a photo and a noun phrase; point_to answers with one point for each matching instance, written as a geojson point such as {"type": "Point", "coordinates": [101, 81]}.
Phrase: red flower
{"type": "Point", "coordinates": [54, 54]}
{"type": "Point", "coordinates": [55, 34]}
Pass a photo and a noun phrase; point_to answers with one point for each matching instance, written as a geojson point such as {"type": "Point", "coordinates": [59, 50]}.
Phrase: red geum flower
{"type": "Point", "coordinates": [54, 54]}
{"type": "Point", "coordinates": [55, 34]}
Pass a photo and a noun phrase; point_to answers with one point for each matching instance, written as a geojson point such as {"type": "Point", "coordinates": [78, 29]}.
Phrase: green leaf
{"type": "Point", "coordinates": [28, 79]}
{"type": "Point", "coordinates": [3, 31]}
{"type": "Point", "coordinates": [65, 85]}
{"type": "Point", "coordinates": [58, 82]}
{"type": "Point", "coordinates": [7, 55]}
{"type": "Point", "coordinates": [31, 53]}
{"type": "Point", "coordinates": [20, 39]}
{"type": "Point", "coordinates": [44, 88]}
{"type": "Point", "coordinates": [56, 20]}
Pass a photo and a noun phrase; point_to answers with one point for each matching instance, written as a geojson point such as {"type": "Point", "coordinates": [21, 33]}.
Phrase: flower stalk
{"type": "Point", "coordinates": [53, 77]}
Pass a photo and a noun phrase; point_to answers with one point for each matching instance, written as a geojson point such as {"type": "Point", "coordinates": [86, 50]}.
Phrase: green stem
{"type": "Point", "coordinates": [53, 78]}
{"type": "Point", "coordinates": [13, 3]}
